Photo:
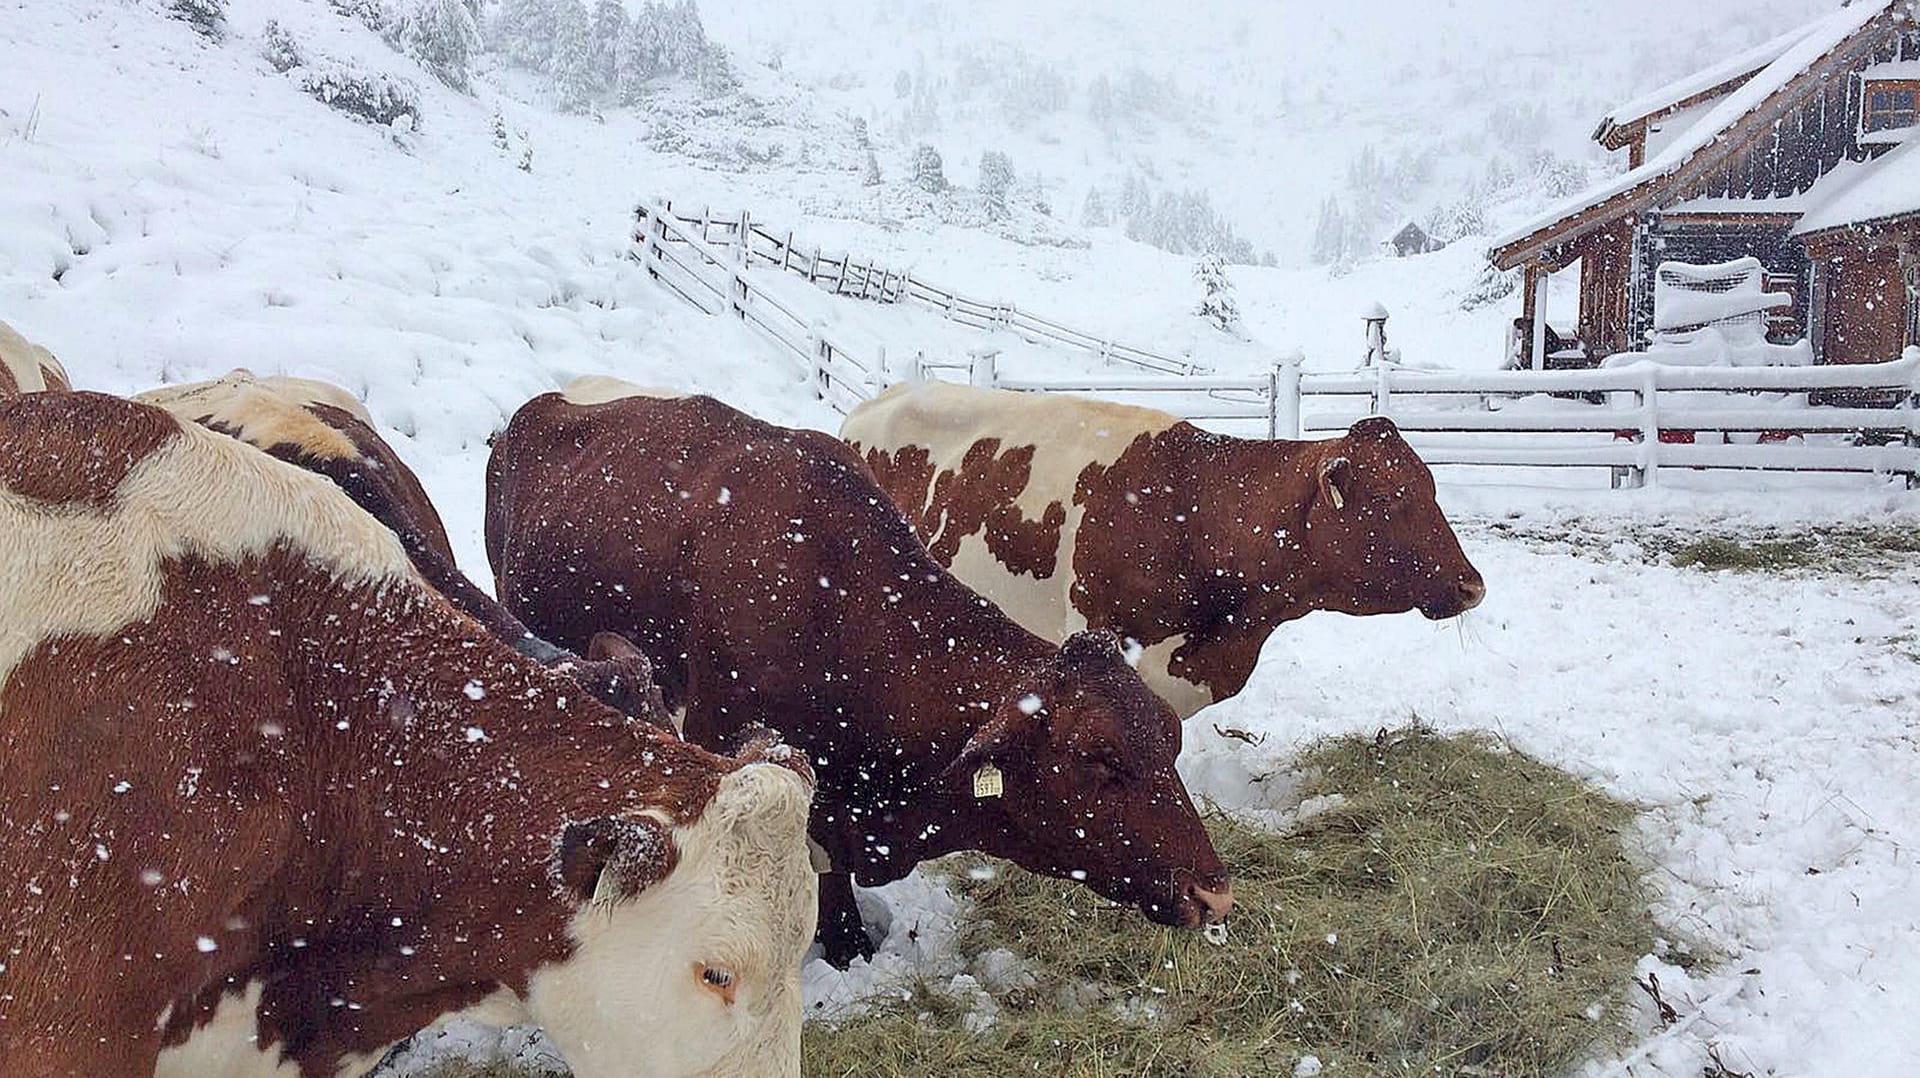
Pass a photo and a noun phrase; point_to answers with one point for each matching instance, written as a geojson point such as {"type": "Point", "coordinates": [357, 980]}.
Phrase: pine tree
{"type": "Point", "coordinates": [499, 132]}
{"type": "Point", "coordinates": [441, 35]}
{"type": "Point", "coordinates": [639, 59]}
{"type": "Point", "coordinates": [1217, 305]}
{"type": "Point", "coordinates": [610, 23]}
{"type": "Point", "coordinates": [871, 176]}
{"type": "Point", "coordinates": [1330, 233]}
{"type": "Point", "coordinates": [1093, 212]}
{"type": "Point", "coordinates": [996, 180]}
{"type": "Point", "coordinates": [570, 72]}
{"type": "Point", "coordinates": [208, 17]}
{"type": "Point", "coordinates": [927, 166]}
{"type": "Point", "coordinates": [524, 31]}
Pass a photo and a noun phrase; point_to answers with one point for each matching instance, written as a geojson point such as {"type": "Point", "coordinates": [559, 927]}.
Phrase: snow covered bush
{"type": "Point", "coordinates": [996, 181]}
{"type": "Point", "coordinates": [385, 100]}
{"type": "Point", "coordinates": [279, 48]}
{"type": "Point", "coordinates": [209, 17]}
{"type": "Point", "coordinates": [927, 167]}
{"type": "Point", "coordinates": [1217, 305]}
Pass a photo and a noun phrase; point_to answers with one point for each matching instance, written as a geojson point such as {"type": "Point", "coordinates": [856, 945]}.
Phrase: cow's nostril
{"type": "Point", "coordinates": [1471, 592]}
{"type": "Point", "coordinates": [1214, 904]}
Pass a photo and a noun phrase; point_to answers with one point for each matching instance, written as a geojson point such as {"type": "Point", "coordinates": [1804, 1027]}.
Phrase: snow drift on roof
{"type": "Point", "coordinates": [1887, 186]}
{"type": "Point", "coordinates": [1700, 82]}
{"type": "Point", "coordinates": [1819, 38]}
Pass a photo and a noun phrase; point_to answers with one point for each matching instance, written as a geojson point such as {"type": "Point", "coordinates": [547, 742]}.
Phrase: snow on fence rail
{"type": "Point", "coordinates": [715, 281]}
{"type": "Point", "coordinates": [845, 275]}
{"type": "Point", "coordinates": [1522, 419]}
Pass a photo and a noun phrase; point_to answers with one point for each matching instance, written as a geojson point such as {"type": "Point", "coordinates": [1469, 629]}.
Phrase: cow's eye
{"type": "Point", "coordinates": [719, 980]}
{"type": "Point", "coordinates": [1105, 768]}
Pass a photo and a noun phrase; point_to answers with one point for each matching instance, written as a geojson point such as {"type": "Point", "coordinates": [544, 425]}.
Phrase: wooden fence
{"type": "Point", "coordinates": [844, 275]}
{"type": "Point", "coordinates": [1609, 418]}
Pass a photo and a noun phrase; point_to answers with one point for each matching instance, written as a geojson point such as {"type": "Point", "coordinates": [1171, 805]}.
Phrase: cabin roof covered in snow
{"type": "Point", "coordinates": [1679, 91]}
{"type": "Point", "coordinates": [1863, 191]}
{"type": "Point", "coordinates": [1816, 41]}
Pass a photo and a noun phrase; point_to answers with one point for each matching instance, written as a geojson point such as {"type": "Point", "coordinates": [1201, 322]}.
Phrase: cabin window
{"type": "Point", "coordinates": [1890, 106]}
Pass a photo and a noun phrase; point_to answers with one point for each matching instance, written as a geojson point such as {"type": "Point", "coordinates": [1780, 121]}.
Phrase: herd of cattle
{"type": "Point", "coordinates": [284, 787]}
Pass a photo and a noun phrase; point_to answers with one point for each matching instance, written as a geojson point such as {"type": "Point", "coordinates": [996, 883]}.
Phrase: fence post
{"type": "Point", "coordinates": [1382, 388]}
{"type": "Point", "coordinates": [881, 376]}
{"type": "Point", "coordinates": [1649, 423]}
{"type": "Point", "coordinates": [981, 364]}
{"type": "Point", "coordinates": [1283, 404]}
{"type": "Point", "coordinates": [821, 352]}
{"type": "Point", "coordinates": [740, 294]}
{"type": "Point", "coordinates": [745, 255]}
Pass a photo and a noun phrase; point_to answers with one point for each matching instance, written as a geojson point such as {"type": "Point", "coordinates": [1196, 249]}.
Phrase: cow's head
{"type": "Point", "coordinates": [687, 940]}
{"type": "Point", "coordinates": [1084, 754]}
{"type": "Point", "coordinates": [1374, 534]}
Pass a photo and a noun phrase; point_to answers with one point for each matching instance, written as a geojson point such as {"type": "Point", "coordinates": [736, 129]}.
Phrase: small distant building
{"type": "Point", "coordinates": [1412, 240]}
{"type": "Point", "coordinates": [1795, 153]}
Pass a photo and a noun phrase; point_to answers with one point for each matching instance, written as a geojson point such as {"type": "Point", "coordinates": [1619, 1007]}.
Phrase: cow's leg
{"type": "Point", "coordinates": [841, 933]}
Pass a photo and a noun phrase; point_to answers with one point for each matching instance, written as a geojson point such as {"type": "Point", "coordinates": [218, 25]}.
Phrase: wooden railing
{"type": "Point", "coordinates": [843, 274]}
{"type": "Point", "coordinates": [1615, 419]}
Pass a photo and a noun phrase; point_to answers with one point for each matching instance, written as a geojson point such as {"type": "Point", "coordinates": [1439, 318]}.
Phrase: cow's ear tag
{"type": "Point", "coordinates": [1338, 501]}
{"type": "Point", "coordinates": [987, 783]}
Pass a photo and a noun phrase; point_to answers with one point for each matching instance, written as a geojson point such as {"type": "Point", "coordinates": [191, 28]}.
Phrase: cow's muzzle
{"type": "Point", "coordinates": [1205, 902]}
{"type": "Point", "coordinates": [1457, 600]}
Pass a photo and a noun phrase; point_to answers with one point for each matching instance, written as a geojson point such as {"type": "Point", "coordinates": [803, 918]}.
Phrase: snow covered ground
{"type": "Point", "coordinates": [170, 209]}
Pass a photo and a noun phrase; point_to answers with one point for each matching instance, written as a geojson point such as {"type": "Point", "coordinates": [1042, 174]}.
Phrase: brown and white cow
{"type": "Point", "coordinates": [325, 429]}
{"type": "Point", "coordinates": [25, 367]}
{"type": "Point", "coordinates": [770, 576]}
{"type": "Point", "coordinates": [272, 804]}
{"type": "Point", "coordinates": [1074, 513]}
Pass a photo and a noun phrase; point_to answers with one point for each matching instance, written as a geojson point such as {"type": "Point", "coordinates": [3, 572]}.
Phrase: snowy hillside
{"type": "Point", "coordinates": [172, 207]}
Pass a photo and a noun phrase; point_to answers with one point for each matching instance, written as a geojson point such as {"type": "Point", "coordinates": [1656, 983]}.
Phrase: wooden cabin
{"type": "Point", "coordinates": [1795, 153]}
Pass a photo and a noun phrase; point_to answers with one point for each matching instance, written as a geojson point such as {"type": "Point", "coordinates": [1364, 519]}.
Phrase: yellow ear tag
{"type": "Point", "coordinates": [1338, 501]}
{"type": "Point", "coordinates": [987, 783]}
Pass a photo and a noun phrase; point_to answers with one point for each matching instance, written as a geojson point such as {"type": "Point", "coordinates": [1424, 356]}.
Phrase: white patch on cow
{"type": "Point", "coordinates": [599, 389]}
{"type": "Point", "coordinates": [742, 899]}
{"type": "Point", "coordinates": [227, 1046]}
{"type": "Point", "coordinates": [265, 411]}
{"type": "Point", "coordinates": [33, 368]}
{"type": "Point", "coordinates": [1155, 667]}
{"type": "Point", "coordinates": [68, 569]}
{"type": "Point", "coordinates": [947, 420]}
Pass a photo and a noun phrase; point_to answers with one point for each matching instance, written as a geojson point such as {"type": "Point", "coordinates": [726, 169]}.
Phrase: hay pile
{"type": "Point", "coordinates": [1460, 909]}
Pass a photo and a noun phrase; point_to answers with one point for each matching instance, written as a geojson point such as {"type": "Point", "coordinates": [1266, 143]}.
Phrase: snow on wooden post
{"type": "Point", "coordinates": [744, 253]}
{"type": "Point", "coordinates": [1376, 320]}
{"type": "Point", "coordinates": [1649, 423]}
{"type": "Point", "coordinates": [882, 375]}
{"type": "Point", "coordinates": [739, 294]}
{"type": "Point", "coordinates": [1538, 356]}
{"type": "Point", "coordinates": [981, 364]}
{"type": "Point", "coordinates": [821, 353]}
{"type": "Point", "coordinates": [1283, 401]}
{"type": "Point", "coordinates": [1382, 388]}
{"type": "Point", "coordinates": [813, 267]}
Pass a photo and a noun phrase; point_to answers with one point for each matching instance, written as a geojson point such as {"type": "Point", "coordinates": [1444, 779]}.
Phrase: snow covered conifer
{"type": "Point", "coordinates": [524, 29]}
{"type": "Point", "coordinates": [1093, 212]}
{"type": "Point", "coordinates": [440, 34]}
{"type": "Point", "coordinates": [996, 180]}
{"type": "Point", "coordinates": [1217, 305]}
{"type": "Point", "coordinates": [610, 24]}
{"type": "Point", "coordinates": [570, 73]}
{"type": "Point", "coordinates": [870, 177]}
{"type": "Point", "coordinates": [209, 17]}
{"type": "Point", "coordinates": [640, 55]}
{"type": "Point", "coordinates": [927, 169]}
{"type": "Point", "coordinates": [1330, 233]}
{"type": "Point", "coordinates": [499, 131]}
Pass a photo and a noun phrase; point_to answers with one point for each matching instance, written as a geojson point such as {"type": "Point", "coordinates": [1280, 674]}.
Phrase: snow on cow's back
{"type": "Point", "coordinates": [266, 412]}
{"type": "Point", "coordinates": [603, 389]}
{"type": "Point", "coordinates": [707, 962]}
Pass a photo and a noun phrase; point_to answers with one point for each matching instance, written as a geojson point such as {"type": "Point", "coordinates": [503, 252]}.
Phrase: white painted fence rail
{"type": "Point", "coordinates": [1524, 419]}
{"type": "Point", "coordinates": [843, 274]}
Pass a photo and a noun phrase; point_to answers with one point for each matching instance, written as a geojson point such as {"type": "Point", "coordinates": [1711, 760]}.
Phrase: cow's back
{"type": "Point", "coordinates": [990, 481]}
{"type": "Point", "coordinates": [25, 367]}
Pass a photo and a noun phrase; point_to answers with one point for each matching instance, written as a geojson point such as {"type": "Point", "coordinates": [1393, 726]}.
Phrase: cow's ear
{"type": "Point", "coordinates": [1091, 648]}
{"type": "Point", "coordinates": [605, 647]}
{"type": "Point", "coordinates": [1377, 427]}
{"type": "Point", "coordinates": [611, 858]}
{"type": "Point", "coordinates": [995, 739]}
{"type": "Point", "coordinates": [1336, 478]}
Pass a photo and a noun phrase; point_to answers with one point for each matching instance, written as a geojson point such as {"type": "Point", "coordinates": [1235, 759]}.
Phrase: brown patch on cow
{"type": "Point", "coordinates": [9, 387]}
{"type": "Point", "coordinates": [776, 583]}
{"type": "Point", "coordinates": [979, 499]}
{"type": "Point", "coordinates": [50, 449]}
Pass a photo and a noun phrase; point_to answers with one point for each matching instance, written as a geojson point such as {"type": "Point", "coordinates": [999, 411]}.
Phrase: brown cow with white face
{"type": "Point", "coordinates": [1073, 513]}
{"type": "Point", "coordinates": [25, 367]}
{"type": "Point", "coordinates": [273, 805]}
{"type": "Point", "coordinates": [769, 574]}
{"type": "Point", "coordinates": [325, 429]}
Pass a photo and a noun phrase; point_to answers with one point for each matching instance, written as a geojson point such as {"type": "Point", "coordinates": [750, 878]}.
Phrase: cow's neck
{"type": "Point", "coordinates": [913, 703]}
